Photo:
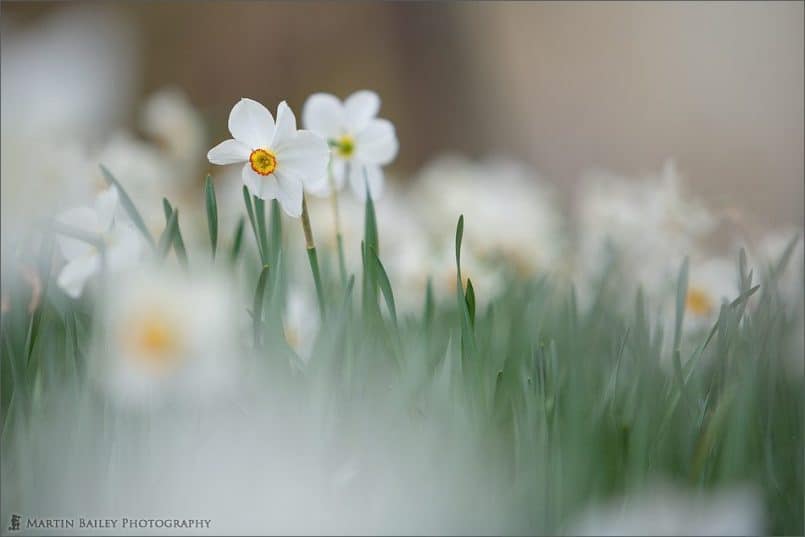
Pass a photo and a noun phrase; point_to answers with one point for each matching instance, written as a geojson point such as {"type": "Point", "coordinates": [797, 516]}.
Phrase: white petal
{"type": "Point", "coordinates": [286, 125]}
{"type": "Point", "coordinates": [229, 152]}
{"type": "Point", "coordinates": [81, 219]}
{"type": "Point", "coordinates": [360, 174]}
{"type": "Point", "coordinates": [105, 207]}
{"type": "Point", "coordinates": [305, 156]}
{"type": "Point", "coordinates": [125, 247]}
{"type": "Point", "coordinates": [289, 194]}
{"type": "Point", "coordinates": [263, 186]}
{"type": "Point", "coordinates": [251, 123]}
{"type": "Point", "coordinates": [76, 273]}
{"type": "Point", "coordinates": [360, 108]}
{"type": "Point", "coordinates": [377, 143]}
{"type": "Point", "coordinates": [324, 114]}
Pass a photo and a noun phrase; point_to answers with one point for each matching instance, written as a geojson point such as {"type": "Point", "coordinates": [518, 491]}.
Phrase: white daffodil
{"type": "Point", "coordinates": [167, 336]}
{"type": "Point", "coordinates": [122, 243]}
{"type": "Point", "coordinates": [280, 161]}
{"type": "Point", "coordinates": [170, 119]}
{"type": "Point", "coordinates": [361, 143]}
{"type": "Point", "coordinates": [638, 230]}
{"type": "Point", "coordinates": [710, 283]}
{"type": "Point", "coordinates": [517, 221]}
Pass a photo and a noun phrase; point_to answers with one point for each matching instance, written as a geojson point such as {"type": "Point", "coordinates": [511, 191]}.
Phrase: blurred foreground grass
{"type": "Point", "coordinates": [548, 405]}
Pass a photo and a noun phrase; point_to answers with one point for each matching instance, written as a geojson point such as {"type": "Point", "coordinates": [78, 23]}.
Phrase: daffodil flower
{"type": "Point", "coordinates": [279, 160]}
{"type": "Point", "coordinates": [167, 336]}
{"type": "Point", "coordinates": [361, 143]}
{"type": "Point", "coordinates": [122, 242]}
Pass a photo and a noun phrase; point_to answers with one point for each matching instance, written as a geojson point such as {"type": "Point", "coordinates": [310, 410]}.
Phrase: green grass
{"type": "Point", "coordinates": [560, 406]}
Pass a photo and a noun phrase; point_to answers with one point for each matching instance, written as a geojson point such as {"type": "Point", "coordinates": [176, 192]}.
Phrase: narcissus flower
{"type": "Point", "coordinates": [123, 244]}
{"type": "Point", "coordinates": [167, 337]}
{"type": "Point", "coordinates": [360, 142]}
{"type": "Point", "coordinates": [279, 160]}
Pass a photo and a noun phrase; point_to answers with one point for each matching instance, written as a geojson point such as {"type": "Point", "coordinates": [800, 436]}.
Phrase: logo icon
{"type": "Point", "coordinates": [14, 525]}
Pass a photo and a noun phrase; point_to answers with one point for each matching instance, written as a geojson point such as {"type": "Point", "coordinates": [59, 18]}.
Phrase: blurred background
{"type": "Point", "coordinates": [566, 87]}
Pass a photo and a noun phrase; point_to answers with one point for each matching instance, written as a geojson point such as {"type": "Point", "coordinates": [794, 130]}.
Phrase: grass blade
{"type": "Point", "coordinates": [178, 242]}
{"type": "Point", "coordinates": [681, 298]}
{"type": "Point", "coordinates": [260, 218]}
{"type": "Point", "coordinates": [385, 287]}
{"type": "Point", "coordinates": [257, 309]}
{"type": "Point", "coordinates": [247, 200]}
{"type": "Point", "coordinates": [237, 243]}
{"type": "Point", "coordinates": [470, 298]}
{"type": "Point", "coordinates": [128, 206]}
{"type": "Point", "coordinates": [212, 213]}
{"type": "Point", "coordinates": [169, 235]}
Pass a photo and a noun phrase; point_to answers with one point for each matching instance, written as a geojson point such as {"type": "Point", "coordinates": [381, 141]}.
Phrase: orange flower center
{"type": "Point", "coordinates": [698, 302]}
{"type": "Point", "coordinates": [263, 161]}
{"type": "Point", "coordinates": [154, 342]}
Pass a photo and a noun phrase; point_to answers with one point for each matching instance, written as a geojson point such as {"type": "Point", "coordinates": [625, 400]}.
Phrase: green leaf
{"type": "Point", "coordinates": [257, 309]}
{"type": "Point", "coordinates": [370, 236]}
{"type": "Point", "coordinates": [385, 286]}
{"type": "Point", "coordinates": [314, 268]}
{"type": "Point", "coordinates": [236, 244]}
{"type": "Point", "coordinates": [370, 243]}
{"type": "Point", "coordinates": [260, 219]}
{"type": "Point", "coordinates": [128, 205]}
{"type": "Point", "coordinates": [681, 298]}
{"type": "Point", "coordinates": [275, 232]}
{"type": "Point", "coordinates": [459, 237]}
{"type": "Point", "coordinates": [168, 236]}
{"type": "Point", "coordinates": [470, 298]}
{"type": "Point", "coordinates": [429, 303]}
{"type": "Point", "coordinates": [247, 200]}
{"type": "Point", "coordinates": [178, 242]}
{"type": "Point", "coordinates": [212, 213]}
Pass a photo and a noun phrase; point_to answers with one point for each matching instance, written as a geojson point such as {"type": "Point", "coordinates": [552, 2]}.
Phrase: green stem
{"type": "Point", "coordinates": [311, 254]}
{"type": "Point", "coordinates": [260, 216]}
{"type": "Point", "coordinates": [257, 310]}
{"type": "Point", "coordinates": [342, 266]}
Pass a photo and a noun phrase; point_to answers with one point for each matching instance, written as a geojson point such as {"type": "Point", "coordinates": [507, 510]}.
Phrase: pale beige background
{"type": "Point", "coordinates": [566, 86]}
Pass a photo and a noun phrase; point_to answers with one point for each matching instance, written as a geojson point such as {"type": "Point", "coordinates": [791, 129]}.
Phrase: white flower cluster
{"type": "Point", "coordinates": [634, 231]}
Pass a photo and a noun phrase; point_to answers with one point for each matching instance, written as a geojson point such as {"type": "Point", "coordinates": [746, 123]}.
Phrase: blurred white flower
{"type": "Point", "coordinates": [123, 245]}
{"type": "Point", "coordinates": [300, 321]}
{"type": "Point", "coordinates": [66, 78]}
{"type": "Point", "coordinates": [279, 159]}
{"type": "Point", "coordinates": [361, 143]}
{"type": "Point", "coordinates": [415, 263]}
{"type": "Point", "coordinates": [769, 251]}
{"type": "Point", "coordinates": [144, 173]}
{"type": "Point", "coordinates": [666, 510]}
{"type": "Point", "coordinates": [710, 282]}
{"type": "Point", "coordinates": [642, 229]}
{"type": "Point", "coordinates": [168, 336]}
{"type": "Point", "coordinates": [169, 119]}
{"type": "Point", "coordinates": [508, 213]}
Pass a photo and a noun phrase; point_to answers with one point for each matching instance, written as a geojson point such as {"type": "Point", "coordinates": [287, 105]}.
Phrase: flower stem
{"type": "Point", "coordinates": [311, 254]}
{"type": "Point", "coordinates": [342, 266]}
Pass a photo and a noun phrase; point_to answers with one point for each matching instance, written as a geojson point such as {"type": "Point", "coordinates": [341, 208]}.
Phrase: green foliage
{"type": "Point", "coordinates": [567, 404]}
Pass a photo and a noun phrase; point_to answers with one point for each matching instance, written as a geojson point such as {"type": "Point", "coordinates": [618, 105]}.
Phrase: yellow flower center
{"type": "Point", "coordinates": [263, 161]}
{"type": "Point", "coordinates": [154, 342]}
{"type": "Point", "coordinates": [345, 146]}
{"type": "Point", "coordinates": [292, 337]}
{"type": "Point", "coordinates": [698, 302]}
